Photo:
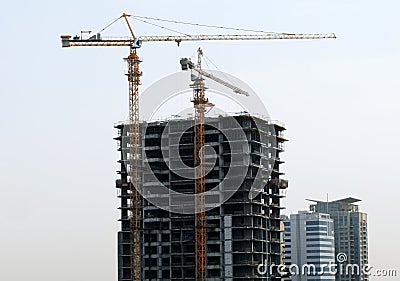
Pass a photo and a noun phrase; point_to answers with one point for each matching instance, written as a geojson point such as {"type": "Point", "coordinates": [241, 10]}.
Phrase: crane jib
{"type": "Point", "coordinates": [136, 42]}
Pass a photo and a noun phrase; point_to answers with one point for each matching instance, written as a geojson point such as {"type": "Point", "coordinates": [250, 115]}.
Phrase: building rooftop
{"type": "Point", "coordinates": [348, 200]}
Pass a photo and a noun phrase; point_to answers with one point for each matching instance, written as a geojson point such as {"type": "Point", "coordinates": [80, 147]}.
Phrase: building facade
{"type": "Point", "coordinates": [309, 245]}
{"type": "Point", "coordinates": [242, 233]}
{"type": "Point", "coordinates": [351, 235]}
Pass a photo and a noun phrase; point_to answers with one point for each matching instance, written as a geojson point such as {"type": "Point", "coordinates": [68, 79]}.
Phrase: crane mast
{"type": "Point", "coordinates": [199, 101]}
{"type": "Point", "coordinates": [134, 74]}
{"type": "Point", "coordinates": [134, 161]}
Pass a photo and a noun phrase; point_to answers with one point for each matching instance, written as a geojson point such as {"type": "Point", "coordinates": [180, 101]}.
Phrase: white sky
{"type": "Point", "coordinates": [338, 98]}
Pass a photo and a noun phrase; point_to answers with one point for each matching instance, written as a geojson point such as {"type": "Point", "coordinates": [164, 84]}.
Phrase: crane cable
{"type": "Point", "coordinates": [202, 25]}
{"type": "Point", "coordinates": [145, 20]}
{"type": "Point", "coordinates": [220, 71]}
{"type": "Point", "coordinates": [110, 24]}
{"type": "Point", "coordinates": [163, 27]}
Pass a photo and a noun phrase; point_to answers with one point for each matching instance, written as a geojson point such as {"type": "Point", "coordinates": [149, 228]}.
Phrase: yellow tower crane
{"type": "Point", "coordinates": [134, 74]}
{"type": "Point", "coordinates": [199, 102]}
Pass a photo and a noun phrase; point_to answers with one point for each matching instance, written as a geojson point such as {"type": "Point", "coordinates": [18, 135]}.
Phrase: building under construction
{"type": "Point", "coordinates": [241, 234]}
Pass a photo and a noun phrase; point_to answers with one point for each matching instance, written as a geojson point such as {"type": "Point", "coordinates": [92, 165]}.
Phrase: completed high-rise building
{"type": "Point", "coordinates": [309, 246]}
{"type": "Point", "coordinates": [351, 240]}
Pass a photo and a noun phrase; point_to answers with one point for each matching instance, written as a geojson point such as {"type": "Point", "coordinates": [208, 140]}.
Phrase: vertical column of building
{"type": "Point", "coordinates": [227, 210]}
{"type": "Point", "coordinates": [214, 218]}
{"type": "Point", "coordinates": [251, 219]}
{"type": "Point", "coordinates": [123, 194]}
{"type": "Point", "coordinates": [363, 242]}
{"type": "Point", "coordinates": [183, 262]}
{"type": "Point", "coordinates": [359, 240]}
{"type": "Point", "coordinates": [245, 214]}
{"type": "Point", "coordinates": [156, 221]}
{"type": "Point", "coordinates": [228, 271]}
{"type": "Point", "coordinates": [288, 252]}
{"type": "Point", "coordinates": [277, 188]}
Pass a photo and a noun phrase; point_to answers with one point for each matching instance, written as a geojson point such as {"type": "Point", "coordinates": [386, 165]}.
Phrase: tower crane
{"type": "Point", "coordinates": [199, 102]}
{"type": "Point", "coordinates": [133, 75]}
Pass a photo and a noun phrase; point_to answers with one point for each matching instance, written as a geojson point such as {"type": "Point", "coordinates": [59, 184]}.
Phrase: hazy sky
{"type": "Point", "coordinates": [339, 100]}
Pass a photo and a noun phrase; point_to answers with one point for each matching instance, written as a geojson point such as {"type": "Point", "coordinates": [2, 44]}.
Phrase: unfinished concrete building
{"type": "Point", "coordinates": [242, 233]}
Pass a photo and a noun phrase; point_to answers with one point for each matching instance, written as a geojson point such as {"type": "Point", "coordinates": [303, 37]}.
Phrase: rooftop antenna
{"type": "Point", "coordinates": [327, 203]}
